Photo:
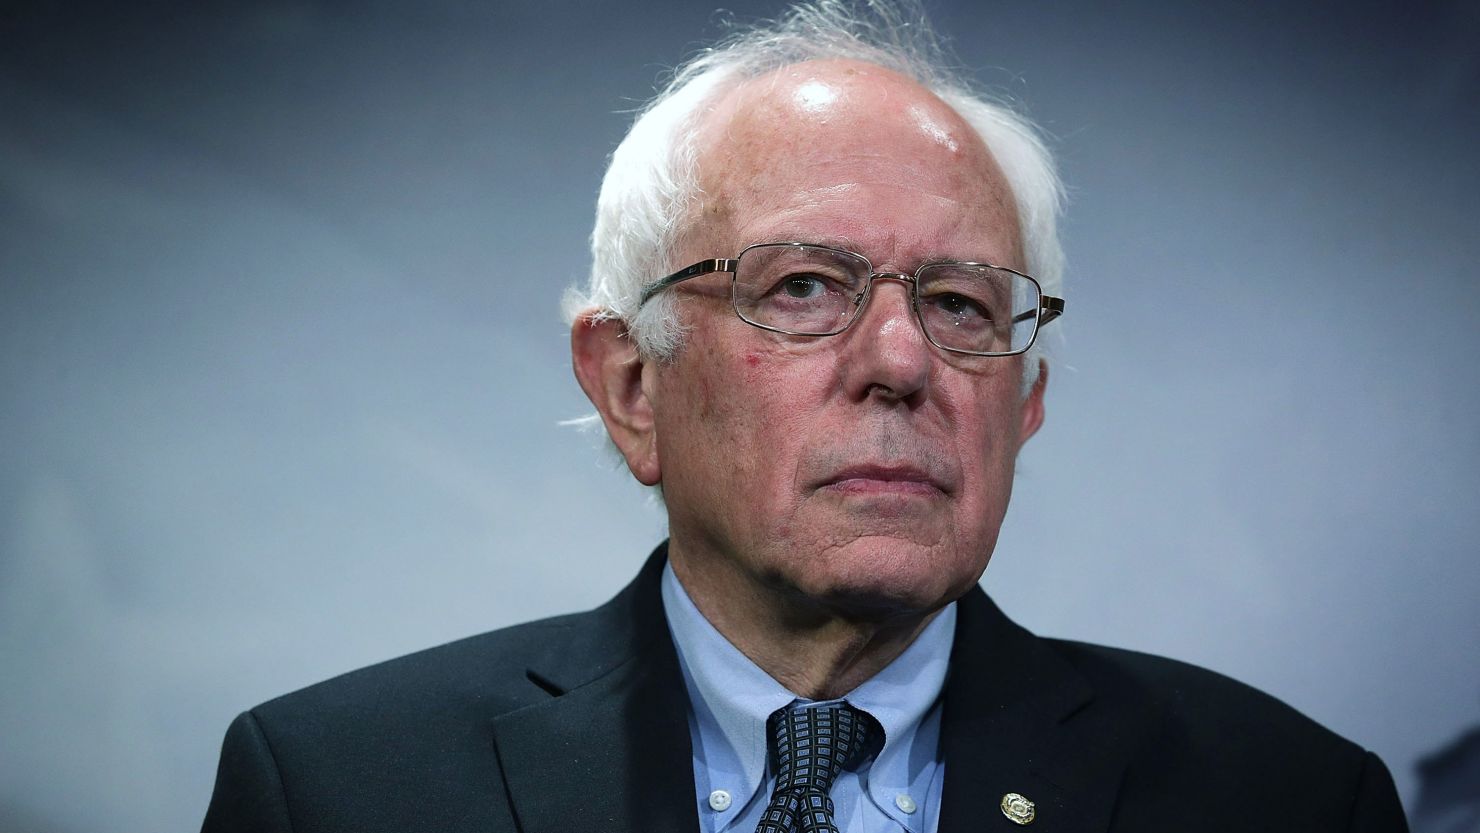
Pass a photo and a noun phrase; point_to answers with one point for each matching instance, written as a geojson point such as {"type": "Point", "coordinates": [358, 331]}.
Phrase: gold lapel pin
{"type": "Point", "coordinates": [1018, 809]}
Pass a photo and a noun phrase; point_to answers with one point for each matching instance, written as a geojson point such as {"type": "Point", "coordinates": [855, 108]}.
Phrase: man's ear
{"type": "Point", "coordinates": [611, 372]}
{"type": "Point", "coordinates": [1033, 406]}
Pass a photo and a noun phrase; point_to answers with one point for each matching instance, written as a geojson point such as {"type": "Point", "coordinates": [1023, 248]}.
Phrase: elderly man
{"type": "Point", "coordinates": [830, 386]}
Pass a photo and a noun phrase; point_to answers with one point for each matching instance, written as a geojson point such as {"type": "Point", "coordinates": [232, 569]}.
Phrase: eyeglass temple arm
{"type": "Point", "coordinates": [1048, 309]}
{"type": "Point", "coordinates": [703, 267]}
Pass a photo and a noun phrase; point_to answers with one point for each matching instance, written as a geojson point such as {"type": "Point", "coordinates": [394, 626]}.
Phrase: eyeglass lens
{"type": "Point", "coordinates": [814, 290]}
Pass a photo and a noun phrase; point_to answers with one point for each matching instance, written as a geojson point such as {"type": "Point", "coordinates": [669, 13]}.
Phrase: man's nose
{"type": "Point", "coordinates": [888, 354]}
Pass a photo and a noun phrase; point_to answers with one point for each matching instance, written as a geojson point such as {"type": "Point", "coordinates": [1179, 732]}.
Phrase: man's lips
{"type": "Point", "coordinates": [883, 479]}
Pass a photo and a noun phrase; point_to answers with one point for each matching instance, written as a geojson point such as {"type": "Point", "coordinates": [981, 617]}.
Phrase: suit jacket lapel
{"type": "Point", "coordinates": [1012, 724]}
{"type": "Point", "coordinates": [610, 750]}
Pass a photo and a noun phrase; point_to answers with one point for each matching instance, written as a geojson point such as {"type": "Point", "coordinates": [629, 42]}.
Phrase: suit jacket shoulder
{"type": "Point", "coordinates": [1109, 739]}
{"type": "Point", "coordinates": [1205, 706]}
{"type": "Point", "coordinates": [413, 743]}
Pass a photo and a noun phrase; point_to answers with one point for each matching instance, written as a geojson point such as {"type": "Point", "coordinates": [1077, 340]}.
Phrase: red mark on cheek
{"type": "Point", "coordinates": [706, 408]}
{"type": "Point", "coordinates": [754, 368]}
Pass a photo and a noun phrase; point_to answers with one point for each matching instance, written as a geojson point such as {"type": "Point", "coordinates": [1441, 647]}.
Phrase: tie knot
{"type": "Point", "coordinates": [813, 744]}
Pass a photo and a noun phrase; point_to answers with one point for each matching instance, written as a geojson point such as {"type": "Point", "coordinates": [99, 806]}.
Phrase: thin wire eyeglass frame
{"type": "Point", "coordinates": [1049, 307]}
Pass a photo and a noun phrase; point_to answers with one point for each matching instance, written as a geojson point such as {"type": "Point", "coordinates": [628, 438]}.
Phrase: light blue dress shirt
{"type": "Point", "coordinates": [731, 699]}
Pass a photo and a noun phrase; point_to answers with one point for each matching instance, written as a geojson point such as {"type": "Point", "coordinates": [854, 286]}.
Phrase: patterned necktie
{"type": "Point", "coordinates": [812, 745]}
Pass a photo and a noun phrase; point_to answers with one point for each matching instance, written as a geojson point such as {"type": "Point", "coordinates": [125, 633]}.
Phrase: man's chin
{"type": "Point", "coordinates": [896, 581]}
{"type": "Point", "coordinates": [881, 608]}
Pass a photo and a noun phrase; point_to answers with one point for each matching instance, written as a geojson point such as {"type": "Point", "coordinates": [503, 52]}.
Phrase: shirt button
{"type": "Point", "coordinates": [903, 802]}
{"type": "Point", "coordinates": [719, 800]}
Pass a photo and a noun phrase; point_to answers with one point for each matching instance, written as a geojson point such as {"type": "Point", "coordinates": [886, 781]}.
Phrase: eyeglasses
{"type": "Point", "coordinates": [806, 290]}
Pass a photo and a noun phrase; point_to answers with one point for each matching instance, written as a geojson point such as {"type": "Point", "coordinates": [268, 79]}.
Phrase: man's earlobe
{"type": "Point", "coordinates": [1033, 405]}
{"type": "Point", "coordinates": [610, 371]}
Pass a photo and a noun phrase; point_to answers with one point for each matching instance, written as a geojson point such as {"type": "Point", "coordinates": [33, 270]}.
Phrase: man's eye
{"type": "Point", "coordinates": [803, 286]}
{"type": "Point", "coordinates": [960, 307]}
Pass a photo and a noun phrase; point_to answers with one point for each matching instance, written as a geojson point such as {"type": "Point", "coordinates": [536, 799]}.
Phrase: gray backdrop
{"type": "Point", "coordinates": [283, 368]}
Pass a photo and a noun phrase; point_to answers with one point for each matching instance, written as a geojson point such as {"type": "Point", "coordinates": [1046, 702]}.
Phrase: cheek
{"type": "Point", "coordinates": [752, 408]}
{"type": "Point", "coordinates": [733, 398]}
{"type": "Point", "coordinates": [987, 435]}
{"type": "Point", "coordinates": [756, 373]}
{"type": "Point", "coordinates": [704, 396]}
{"type": "Point", "coordinates": [714, 390]}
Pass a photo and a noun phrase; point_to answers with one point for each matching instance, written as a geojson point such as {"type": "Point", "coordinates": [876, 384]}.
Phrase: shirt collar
{"type": "Point", "coordinates": [733, 695]}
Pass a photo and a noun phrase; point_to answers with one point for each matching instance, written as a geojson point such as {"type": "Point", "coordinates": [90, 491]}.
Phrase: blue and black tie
{"type": "Point", "coordinates": [812, 745]}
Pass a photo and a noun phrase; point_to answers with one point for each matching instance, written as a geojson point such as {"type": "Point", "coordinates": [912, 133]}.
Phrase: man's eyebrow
{"type": "Point", "coordinates": [812, 238]}
{"type": "Point", "coordinates": [842, 241]}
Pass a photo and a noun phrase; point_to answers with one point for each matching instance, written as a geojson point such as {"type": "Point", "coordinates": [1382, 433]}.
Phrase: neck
{"type": "Point", "coordinates": [817, 650]}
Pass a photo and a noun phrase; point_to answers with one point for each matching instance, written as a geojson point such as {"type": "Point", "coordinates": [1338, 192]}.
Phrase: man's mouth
{"type": "Point", "coordinates": [883, 479]}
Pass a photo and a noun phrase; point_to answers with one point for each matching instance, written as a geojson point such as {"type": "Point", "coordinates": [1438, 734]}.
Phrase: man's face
{"type": "Point", "coordinates": [866, 472]}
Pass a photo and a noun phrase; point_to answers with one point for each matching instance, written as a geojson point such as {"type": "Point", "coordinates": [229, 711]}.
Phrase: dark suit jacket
{"type": "Point", "coordinates": [578, 723]}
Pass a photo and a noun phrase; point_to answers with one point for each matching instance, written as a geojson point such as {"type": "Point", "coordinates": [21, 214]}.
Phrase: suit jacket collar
{"type": "Point", "coordinates": [610, 749]}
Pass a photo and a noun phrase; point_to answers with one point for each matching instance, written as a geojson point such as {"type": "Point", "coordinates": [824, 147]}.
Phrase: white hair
{"type": "Point", "coordinates": [651, 186]}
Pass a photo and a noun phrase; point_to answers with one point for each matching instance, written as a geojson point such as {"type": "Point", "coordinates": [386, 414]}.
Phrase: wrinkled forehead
{"type": "Point", "coordinates": [842, 93]}
{"type": "Point", "coordinates": [841, 113]}
{"type": "Point", "coordinates": [845, 122]}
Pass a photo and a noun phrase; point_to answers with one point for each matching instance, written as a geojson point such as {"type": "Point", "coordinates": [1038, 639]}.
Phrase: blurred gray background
{"type": "Point", "coordinates": [283, 367]}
